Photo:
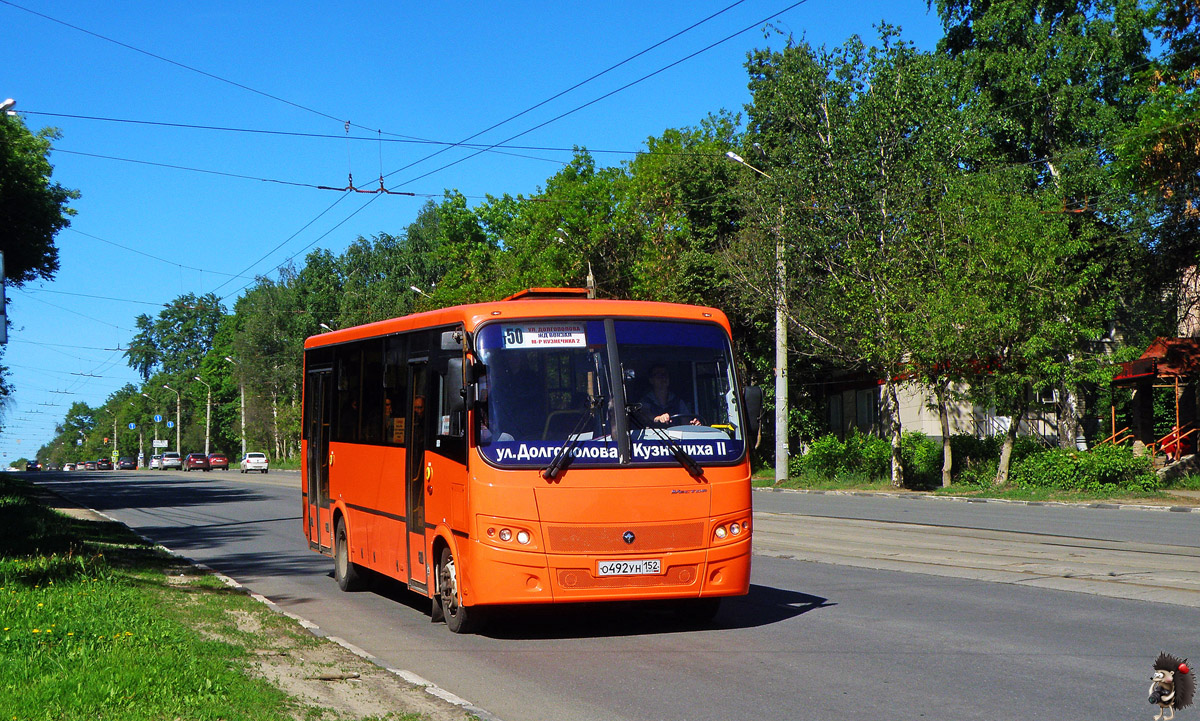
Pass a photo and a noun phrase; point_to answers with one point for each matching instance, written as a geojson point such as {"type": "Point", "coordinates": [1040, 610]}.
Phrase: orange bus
{"type": "Point", "coordinates": [545, 448]}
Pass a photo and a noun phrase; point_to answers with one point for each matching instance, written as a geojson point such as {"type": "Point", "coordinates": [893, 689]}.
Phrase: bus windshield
{"type": "Point", "coordinates": [549, 383]}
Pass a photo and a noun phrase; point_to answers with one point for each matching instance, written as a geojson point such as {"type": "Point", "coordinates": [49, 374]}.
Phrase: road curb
{"type": "Point", "coordinates": [408, 676]}
{"type": "Point", "coordinates": [968, 499]}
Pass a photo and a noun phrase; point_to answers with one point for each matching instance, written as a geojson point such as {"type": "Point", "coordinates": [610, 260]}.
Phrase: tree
{"type": "Point", "coordinates": [859, 142]}
{"type": "Point", "coordinates": [33, 208]}
{"type": "Point", "coordinates": [1056, 86]}
{"type": "Point", "coordinates": [175, 341]}
{"type": "Point", "coordinates": [679, 196]}
{"type": "Point", "coordinates": [1160, 158]}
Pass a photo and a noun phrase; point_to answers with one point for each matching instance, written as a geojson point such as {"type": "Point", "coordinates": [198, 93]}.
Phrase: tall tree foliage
{"type": "Point", "coordinates": [33, 208]}
{"type": "Point", "coordinates": [1055, 82]}
{"type": "Point", "coordinates": [1160, 158]}
{"type": "Point", "coordinates": [177, 339]}
{"type": "Point", "coordinates": [858, 142]}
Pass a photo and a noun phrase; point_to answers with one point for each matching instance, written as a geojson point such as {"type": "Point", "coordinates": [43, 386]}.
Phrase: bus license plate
{"type": "Point", "coordinates": [641, 567]}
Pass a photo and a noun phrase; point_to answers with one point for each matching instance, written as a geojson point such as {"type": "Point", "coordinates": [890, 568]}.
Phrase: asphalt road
{"type": "Point", "coordinates": [820, 638]}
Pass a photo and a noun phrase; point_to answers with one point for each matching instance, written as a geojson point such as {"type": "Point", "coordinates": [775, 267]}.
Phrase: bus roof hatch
{"type": "Point", "coordinates": [547, 293]}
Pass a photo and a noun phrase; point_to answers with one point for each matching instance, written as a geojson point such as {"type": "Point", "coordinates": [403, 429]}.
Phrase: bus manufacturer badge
{"type": "Point", "coordinates": [629, 537]}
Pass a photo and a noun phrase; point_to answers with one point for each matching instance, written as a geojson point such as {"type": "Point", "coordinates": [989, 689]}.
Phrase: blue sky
{"type": "Point", "coordinates": [108, 74]}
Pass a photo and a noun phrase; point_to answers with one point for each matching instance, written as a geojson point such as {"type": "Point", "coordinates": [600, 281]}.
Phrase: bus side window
{"type": "Point", "coordinates": [349, 386]}
{"type": "Point", "coordinates": [371, 430]}
{"type": "Point", "coordinates": [395, 385]}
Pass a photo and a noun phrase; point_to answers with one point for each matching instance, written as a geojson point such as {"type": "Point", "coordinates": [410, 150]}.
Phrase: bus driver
{"type": "Point", "coordinates": [660, 405]}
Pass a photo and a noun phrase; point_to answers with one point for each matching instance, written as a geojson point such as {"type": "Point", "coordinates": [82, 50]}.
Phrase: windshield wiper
{"type": "Point", "coordinates": [681, 455]}
{"type": "Point", "coordinates": [563, 458]}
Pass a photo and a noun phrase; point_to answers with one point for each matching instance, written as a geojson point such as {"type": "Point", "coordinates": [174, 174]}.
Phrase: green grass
{"type": "Point", "coordinates": [765, 478]}
{"type": "Point", "coordinates": [95, 624]}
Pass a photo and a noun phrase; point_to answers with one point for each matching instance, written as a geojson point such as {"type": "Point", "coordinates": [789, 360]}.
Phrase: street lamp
{"type": "Point", "coordinates": [781, 360]}
{"type": "Point", "coordinates": [178, 414]}
{"type": "Point", "coordinates": [242, 388]}
{"type": "Point", "coordinates": [418, 291]}
{"type": "Point", "coordinates": [207, 414]}
{"type": "Point", "coordinates": [327, 328]}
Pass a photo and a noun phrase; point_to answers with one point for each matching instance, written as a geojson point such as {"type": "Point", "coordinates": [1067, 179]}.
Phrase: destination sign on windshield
{"type": "Point", "coordinates": [544, 335]}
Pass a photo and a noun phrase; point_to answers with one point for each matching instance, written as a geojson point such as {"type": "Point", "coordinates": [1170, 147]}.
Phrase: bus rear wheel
{"type": "Point", "coordinates": [345, 572]}
{"type": "Point", "coordinates": [459, 618]}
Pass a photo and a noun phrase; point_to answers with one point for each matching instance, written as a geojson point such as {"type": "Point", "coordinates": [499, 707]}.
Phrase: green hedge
{"type": "Point", "coordinates": [1100, 469]}
{"type": "Point", "coordinates": [869, 458]}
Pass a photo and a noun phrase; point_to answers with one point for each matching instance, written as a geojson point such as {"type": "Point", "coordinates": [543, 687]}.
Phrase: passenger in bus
{"type": "Point", "coordinates": [660, 405]}
{"type": "Point", "coordinates": [393, 426]}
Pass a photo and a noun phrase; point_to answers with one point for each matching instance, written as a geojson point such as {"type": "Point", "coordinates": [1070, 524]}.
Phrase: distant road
{"type": "Point", "coordinates": [1118, 552]}
{"type": "Point", "coordinates": [845, 637]}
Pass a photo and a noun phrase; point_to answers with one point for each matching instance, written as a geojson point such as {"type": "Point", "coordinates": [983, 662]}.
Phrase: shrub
{"type": "Point", "coordinates": [922, 459]}
{"type": "Point", "coordinates": [1100, 469]}
{"type": "Point", "coordinates": [826, 456]}
{"type": "Point", "coordinates": [870, 458]}
{"type": "Point", "coordinates": [969, 451]}
{"type": "Point", "coordinates": [876, 457]}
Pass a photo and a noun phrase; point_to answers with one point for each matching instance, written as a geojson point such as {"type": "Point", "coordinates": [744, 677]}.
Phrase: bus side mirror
{"type": "Point", "coordinates": [454, 381]}
{"type": "Point", "coordinates": [452, 340]}
{"type": "Point", "coordinates": [753, 398]}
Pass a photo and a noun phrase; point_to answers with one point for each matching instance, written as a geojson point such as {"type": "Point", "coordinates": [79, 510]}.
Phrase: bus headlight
{"type": "Point", "coordinates": [523, 538]}
{"type": "Point", "coordinates": [735, 529]}
{"type": "Point", "coordinates": [505, 534]}
{"type": "Point", "coordinates": [720, 532]}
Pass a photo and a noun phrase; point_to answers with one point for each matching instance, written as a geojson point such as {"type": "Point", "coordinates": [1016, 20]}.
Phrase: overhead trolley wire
{"type": "Point", "coordinates": [564, 92]}
{"type": "Point", "coordinates": [604, 96]}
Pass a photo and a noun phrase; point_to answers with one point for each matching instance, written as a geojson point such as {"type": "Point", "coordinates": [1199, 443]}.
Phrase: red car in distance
{"type": "Point", "coordinates": [218, 460]}
{"type": "Point", "coordinates": [196, 461]}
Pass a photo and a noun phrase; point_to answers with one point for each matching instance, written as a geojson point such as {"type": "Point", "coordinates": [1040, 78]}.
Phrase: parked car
{"type": "Point", "coordinates": [68, 466]}
{"type": "Point", "coordinates": [196, 461]}
{"type": "Point", "coordinates": [103, 464]}
{"type": "Point", "coordinates": [254, 462]}
{"type": "Point", "coordinates": [33, 466]}
{"type": "Point", "coordinates": [218, 460]}
{"type": "Point", "coordinates": [170, 459]}
{"type": "Point", "coordinates": [156, 462]}
{"type": "Point", "coordinates": [89, 465]}
{"type": "Point", "coordinates": [127, 463]}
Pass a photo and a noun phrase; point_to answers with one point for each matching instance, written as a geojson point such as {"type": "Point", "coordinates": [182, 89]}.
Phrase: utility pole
{"type": "Point", "coordinates": [178, 415]}
{"type": "Point", "coordinates": [781, 359]}
{"type": "Point", "coordinates": [141, 429]}
{"type": "Point", "coordinates": [207, 415]}
{"type": "Point", "coordinates": [242, 388]}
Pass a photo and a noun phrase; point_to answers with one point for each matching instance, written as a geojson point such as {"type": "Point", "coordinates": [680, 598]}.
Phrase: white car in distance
{"type": "Point", "coordinates": [254, 462]}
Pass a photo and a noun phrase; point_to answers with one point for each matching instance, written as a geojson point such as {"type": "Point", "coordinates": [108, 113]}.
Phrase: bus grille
{"type": "Point", "coordinates": [584, 579]}
{"type": "Point", "coordinates": [648, 538]}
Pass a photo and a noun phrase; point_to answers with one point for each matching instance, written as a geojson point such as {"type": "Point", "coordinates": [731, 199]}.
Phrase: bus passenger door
{"type": "Point", "coordinates": [319, 397]}
{"type": "Point", "coordinates": [415, 481]}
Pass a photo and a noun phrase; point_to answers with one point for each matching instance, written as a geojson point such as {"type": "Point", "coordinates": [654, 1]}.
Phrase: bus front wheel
{"type": "Point", "coordinates": [459, 618]}
{"type": "Point", "coordinates": [347, 574]}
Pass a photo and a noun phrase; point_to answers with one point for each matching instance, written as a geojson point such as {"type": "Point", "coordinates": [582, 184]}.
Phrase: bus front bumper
{"type": "Point", "coordinates": [503, 576]}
